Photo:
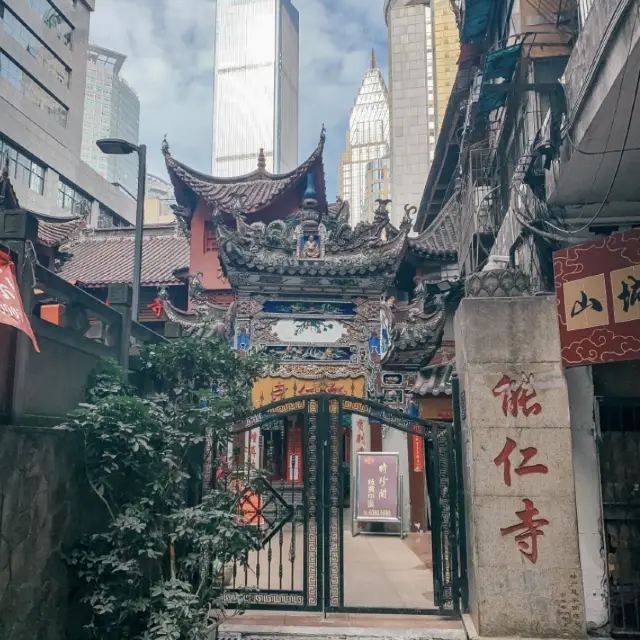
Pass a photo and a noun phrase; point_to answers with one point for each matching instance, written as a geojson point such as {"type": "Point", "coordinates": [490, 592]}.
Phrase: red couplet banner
{"type": "Point", "coordinates": [377, 487]}
{"type": "Point", "coordinates": [11, 309]}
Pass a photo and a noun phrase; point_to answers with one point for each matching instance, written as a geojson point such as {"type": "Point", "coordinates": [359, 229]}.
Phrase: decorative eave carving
{"type": "Point", "coordinates": [206, 319]}
{"type": "Point", "coordinates": [308, 243]}
{"type": "Point", "coordinates": [416, 330]}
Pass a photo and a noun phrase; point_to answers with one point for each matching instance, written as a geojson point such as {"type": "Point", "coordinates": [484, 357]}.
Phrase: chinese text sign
{"type": "Point", "coordinates": [598, 296]}
{"type": "Point", "coordinates": [377, 487]}
{"type": "Point", "coordinates": [11, 309]}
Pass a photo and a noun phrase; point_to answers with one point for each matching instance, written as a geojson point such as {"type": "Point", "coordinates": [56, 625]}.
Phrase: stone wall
{"type": "Point", "coordinates": [45, 505]}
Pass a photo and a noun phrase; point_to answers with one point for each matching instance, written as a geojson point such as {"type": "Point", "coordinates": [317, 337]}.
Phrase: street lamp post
{"type": "Point", "coordinates": [116, 147]}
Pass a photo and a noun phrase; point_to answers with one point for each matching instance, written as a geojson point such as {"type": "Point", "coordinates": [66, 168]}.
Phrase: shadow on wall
{"type": "Point", "coordinates": [45, 506]}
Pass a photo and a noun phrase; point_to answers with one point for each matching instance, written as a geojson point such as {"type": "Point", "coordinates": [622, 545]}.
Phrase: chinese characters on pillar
{"type": "Point", "coordinates": [518, 396]}
{"type": "Point", "coordinates": [503, 459]}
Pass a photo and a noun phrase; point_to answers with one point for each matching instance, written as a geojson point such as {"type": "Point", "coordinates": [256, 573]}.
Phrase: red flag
{"type": "Point", "coordinates": [11, 308]}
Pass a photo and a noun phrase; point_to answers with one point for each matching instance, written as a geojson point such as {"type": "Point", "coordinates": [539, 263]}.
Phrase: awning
{"type": "Point", "coordinates": [500, 65]}
{"type": "Point", "coordinates": [475, 20]}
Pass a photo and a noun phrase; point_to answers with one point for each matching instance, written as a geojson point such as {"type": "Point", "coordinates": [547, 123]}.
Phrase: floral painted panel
{"type": "Point", "coordinates": [308, 330]}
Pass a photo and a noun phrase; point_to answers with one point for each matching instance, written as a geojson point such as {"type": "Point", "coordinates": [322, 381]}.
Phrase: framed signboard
{"type": "Point", "coordinates": [598, 297]}
{"type": "Point", "coordinates": [378, 487]}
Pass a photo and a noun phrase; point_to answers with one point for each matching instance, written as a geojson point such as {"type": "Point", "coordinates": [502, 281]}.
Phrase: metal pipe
{"type": "Point", "coordinates": [137, 259]}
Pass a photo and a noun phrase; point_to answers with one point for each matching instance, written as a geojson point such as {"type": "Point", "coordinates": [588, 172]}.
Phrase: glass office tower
{"type": "Point", "coordinates": [111, 110]}
{"type": "Point", "coordinates": [255, 101]}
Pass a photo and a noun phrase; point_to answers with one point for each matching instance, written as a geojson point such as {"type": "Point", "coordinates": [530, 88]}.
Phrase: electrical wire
{"type": "Point", "coordinates": [621, 151]}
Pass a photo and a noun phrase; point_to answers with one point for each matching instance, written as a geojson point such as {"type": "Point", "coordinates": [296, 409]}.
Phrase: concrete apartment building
{"type": "Point", "coordinates": [423, 56]}
{"type": "Point", "coordinates": [43, 62]}
{"type": "Point", "coordinates": [111, 110]}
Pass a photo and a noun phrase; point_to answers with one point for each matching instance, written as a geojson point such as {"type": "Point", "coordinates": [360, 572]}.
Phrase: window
{"type": "Point", "coordinates": [107, 219]}
{"type": "Point", "coordinates": [210, 242]}
{"type": "Point", "coordinates": [22, 168]}
{"type": "Point", "coordinates": [35, 47]}
{"type": "Point", "coordinates": [54, 20]}
{"type": "Point", "coordinates": [33, 91]}
{"type": "Point", "coordinates": [71, 200]}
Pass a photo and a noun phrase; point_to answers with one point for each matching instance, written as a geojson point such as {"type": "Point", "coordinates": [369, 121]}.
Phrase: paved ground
{"type": "Point", "coordinates": [383, 571]}
{"type": "Point", "coordinates": [379, 571]}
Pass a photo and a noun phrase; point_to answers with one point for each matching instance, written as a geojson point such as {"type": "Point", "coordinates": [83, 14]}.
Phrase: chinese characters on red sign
{"type": "Point", "coordinates": [156, 307]}
{"type": "Point", "coordinates": [518, 396]}
{"type": "Point", "coordinates": [360, 435]}
{"type": "Point", "coordinates": [11, 309]}
{"type": "Point", "coordinates": [417, 446]}
{"type": "Point", "coordinates": [598, 292]}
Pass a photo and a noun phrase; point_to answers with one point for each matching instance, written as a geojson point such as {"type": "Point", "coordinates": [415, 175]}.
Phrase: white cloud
{"type": "Point", "coordinates": [169, 44]}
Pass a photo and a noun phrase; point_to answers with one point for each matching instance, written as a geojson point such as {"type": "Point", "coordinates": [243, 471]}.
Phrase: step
{"type": "Point", "coordinates": [269, 625]}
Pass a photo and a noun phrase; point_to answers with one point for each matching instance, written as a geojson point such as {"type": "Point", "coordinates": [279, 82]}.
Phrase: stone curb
{"type": "Point", "coordinates": [237, 632]}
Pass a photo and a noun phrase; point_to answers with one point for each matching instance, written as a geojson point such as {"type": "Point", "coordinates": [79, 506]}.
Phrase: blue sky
{"type": "Point", "coordinates": [169, 48]}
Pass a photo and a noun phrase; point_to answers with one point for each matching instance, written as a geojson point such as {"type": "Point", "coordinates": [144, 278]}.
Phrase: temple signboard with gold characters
{"type": "Point", "coordinates": [598, 294]}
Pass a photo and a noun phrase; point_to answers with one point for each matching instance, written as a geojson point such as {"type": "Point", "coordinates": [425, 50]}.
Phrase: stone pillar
{"type": "Point", "coordinates": [523, 559]}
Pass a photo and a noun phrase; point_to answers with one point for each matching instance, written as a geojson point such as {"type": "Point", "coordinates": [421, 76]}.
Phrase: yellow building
{"type": "Point", "coordinates": [157, 202]}
{"type": "Point", "coordinates": [447, 53]}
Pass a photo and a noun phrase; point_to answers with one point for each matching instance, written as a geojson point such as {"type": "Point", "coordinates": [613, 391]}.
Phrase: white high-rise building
{"type": "Point", "coordinates": [255, 100]}
{"type": "Point", "coordinates": [111, 110]}
{"type": "Point", "coordinates": [367, 140]}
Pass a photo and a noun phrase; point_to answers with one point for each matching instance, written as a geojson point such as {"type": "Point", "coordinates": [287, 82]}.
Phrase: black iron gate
{"type": "Point", "coordinates": [301, 513]}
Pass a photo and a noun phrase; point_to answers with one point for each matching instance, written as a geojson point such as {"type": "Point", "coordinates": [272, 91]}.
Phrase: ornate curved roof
{"type": "Point", "coordinates": [440, 238]}
{"type": "Point", "coordinates": [255, 191]}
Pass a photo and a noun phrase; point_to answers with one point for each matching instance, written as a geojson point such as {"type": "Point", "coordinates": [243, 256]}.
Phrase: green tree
{"type": "Point", "coordinates": [155, 570]}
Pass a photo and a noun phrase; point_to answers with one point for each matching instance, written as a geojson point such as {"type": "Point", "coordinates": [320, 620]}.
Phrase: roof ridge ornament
{"type": "Point", "coordinates": [409, 211]}
{"type": "Point", "coordinates": [165, 146]}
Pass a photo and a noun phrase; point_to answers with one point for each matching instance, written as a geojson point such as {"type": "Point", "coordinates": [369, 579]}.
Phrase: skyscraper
{"type": "Point", "coordinates": [367, 140]}
{"type": "Point", "coordinates": [377, 184]}
{"type": "Point", "coordinates": [423, 56]}
{"type": "Point", "coordinates": [255, 100]}
{"type": "Point", "coordinates": [111, 110]}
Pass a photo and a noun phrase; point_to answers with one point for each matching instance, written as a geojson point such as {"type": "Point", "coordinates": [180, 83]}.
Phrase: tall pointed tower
{"type": "Point", "coordinates": [367, 141]}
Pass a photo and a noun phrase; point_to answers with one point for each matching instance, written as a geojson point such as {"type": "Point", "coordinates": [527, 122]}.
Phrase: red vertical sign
{"type": "Point", "coordinates": [418, 451]}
